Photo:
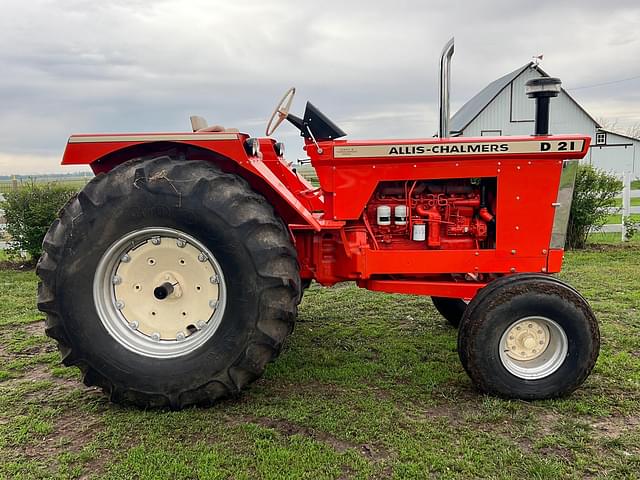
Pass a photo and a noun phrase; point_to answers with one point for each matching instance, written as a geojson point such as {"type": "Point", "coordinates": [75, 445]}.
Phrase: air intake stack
{"type": "Point", "coordinates": [543, 90]}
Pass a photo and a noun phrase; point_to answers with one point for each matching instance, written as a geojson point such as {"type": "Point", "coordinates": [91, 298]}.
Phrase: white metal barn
{"type": "Point", "coordinates": [503, 108]}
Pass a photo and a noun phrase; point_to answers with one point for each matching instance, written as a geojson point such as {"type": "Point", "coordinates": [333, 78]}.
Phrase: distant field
{"type": "Point", "coordinates": [308, 172]}
{"type": "Point", "coordinates": [75, 182]}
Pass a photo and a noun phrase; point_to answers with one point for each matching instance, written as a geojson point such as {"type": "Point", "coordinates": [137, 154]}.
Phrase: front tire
{"type": "Point", "coordinates": [168, 283]}
{"type": "Point", "coordinates": [452, 309]}
{"type": "Point", "coordinates": [528, 336]}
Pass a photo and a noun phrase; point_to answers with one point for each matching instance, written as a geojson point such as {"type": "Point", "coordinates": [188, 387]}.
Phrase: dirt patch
{"type": "Point", "coordinates": [286, 428]}
{"type": "Point", "coordinates": [72, 432]}
{"type": "Point", "coordinates": [613, 427]}
{"type": "Point", "coordinates": [50, 395]}
{"type": "Point", "coordinates": [453, 414]}
{"type": "Point", "coordinates": [286, 388]}
{"type": "Point", "coordinates": [562, 453]}
{"type": "Point", "coordinates": [96, 466]}
{"type": "Point", "coordinates": [546, 422]}
{"type": "Point", "coordinates": [37, 373]}
{"type": "Point", "coordinates": [35, 328]}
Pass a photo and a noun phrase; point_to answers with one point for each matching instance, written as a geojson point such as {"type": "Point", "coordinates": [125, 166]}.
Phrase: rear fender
{"type": "Point", "coordinates": [102, 158]}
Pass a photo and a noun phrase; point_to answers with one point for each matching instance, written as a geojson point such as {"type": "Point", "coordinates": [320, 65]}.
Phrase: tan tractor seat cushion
{"type": "Point", "coordinates": [212, 128]}
{"type": "Point", "coordinates": [199, 124]}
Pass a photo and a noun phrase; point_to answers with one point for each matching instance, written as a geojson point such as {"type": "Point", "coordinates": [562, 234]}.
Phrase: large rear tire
{"type": "Point", "coordinates": [168, 283]}
{"type": "Point", "coordinates": [528, 336]}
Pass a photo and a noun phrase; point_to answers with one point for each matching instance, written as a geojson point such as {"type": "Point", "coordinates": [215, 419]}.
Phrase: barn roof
{"type": "Point", "coordinates": [474, 107]}
{"type": "Point", "coordinates": [623, 135]}
{"type": "Point", "coordinates": [470, 110]}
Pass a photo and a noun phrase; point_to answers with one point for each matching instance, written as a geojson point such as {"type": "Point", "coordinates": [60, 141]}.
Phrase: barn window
{"type": "Point", "coordinates": [601, 138]}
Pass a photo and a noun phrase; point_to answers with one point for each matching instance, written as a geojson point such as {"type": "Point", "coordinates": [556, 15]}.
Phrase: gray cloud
{"type": "Point", "coordinates": [84, 66]}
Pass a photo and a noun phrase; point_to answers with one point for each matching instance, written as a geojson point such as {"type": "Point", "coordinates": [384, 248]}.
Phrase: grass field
{"type": "Point", "coordinates": [369, 386]}
{"type": "Point", "coordinates": [617, 219]}
{"type": "Point", "coordinates": [635, 201]}
{"type": "Point", "coordinates": [610, 238]}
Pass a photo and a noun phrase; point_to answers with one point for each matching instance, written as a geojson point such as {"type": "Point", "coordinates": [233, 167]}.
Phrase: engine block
{"type": "Point", "coordinates": [433, 214]}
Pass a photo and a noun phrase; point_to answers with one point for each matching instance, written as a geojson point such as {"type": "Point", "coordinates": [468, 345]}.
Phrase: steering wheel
{"type": "Point", "coordinates": [281, 111]}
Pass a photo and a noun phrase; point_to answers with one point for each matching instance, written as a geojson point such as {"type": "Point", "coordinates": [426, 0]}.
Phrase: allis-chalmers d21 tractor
{"type": "Point", "coordinates": [173, 277]}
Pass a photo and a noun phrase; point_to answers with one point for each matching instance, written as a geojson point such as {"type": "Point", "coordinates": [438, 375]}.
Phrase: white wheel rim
{"type": "Point", "coordinates": [159, 292]}
{"type": "Point", "coordinates": [533, 348]}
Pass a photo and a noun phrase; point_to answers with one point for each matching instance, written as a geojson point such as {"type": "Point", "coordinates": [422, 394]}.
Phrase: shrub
{"type": "Point", "coordinates": [29, 211]}
{"type": "Point", "coordinates": [594, 193]}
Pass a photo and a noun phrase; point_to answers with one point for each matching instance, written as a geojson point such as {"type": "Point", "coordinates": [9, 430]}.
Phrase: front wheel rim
{"type": "Point", "coordinates": [159, 292]}
{"type": "Point", "coordinates": [533, 347]}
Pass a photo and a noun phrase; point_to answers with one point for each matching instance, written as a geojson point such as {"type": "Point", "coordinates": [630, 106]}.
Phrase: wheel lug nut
{"type": "Point", "coordinates": [201, 325]}
{"type": "Point", "coordinates": [155, 240]}
{"type": "Point", "coordinates": [125, 258]}
{"type": "Point", "coordinates": [180, 336]}
{"type": "Point", "coordinates": [134, 325]}
{"type": "Point", "coordinates": [202, 257]}
{"type": "Point", "coordinates": [119, 304]}
{"type": "Point", "coordinates": [116, 280]}
{"type": "Point", "coordinates": [214, 279]}
{"type": "Point", "coordinates": [155, 336]}
{"type": "Point", "coordinates": [213, 304]}
{"type": "Point", "coordinates": [181, 242]}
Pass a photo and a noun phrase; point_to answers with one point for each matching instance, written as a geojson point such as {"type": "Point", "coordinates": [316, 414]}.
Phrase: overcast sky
{"type": "Point", "coordinates": [78, 66]}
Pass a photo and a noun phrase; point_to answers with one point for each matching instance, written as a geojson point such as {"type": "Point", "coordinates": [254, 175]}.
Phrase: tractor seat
{"type": "Point", "coordinates": [199, 125]}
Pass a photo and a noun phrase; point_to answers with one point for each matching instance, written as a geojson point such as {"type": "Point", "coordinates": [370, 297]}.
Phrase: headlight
{"type": "Point", "coordinates": [252, 147]}
{"type": "Point", "coordinates": [279, 148]}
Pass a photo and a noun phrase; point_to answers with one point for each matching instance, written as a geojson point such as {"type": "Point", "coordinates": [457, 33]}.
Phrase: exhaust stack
{"type": "Point", "coordinates": [445, 77]}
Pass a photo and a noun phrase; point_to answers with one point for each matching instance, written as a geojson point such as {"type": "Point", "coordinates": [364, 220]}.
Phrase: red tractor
{"type": "Point", "coordinates": [174, 276]}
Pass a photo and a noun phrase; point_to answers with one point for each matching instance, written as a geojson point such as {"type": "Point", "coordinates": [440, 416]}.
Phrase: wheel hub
{"type": "Point", "coordinates": [527, 340]}
{"type": "Point", "coordinates": [164, 287]}
{"type": "Point", "coordinates": [159, 292]}
{"type": "Point", "coordinates": [533, 348]}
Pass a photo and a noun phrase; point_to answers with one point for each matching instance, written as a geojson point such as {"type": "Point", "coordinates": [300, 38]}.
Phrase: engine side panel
{"type": "Point", "coordinates": [470, 210]}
